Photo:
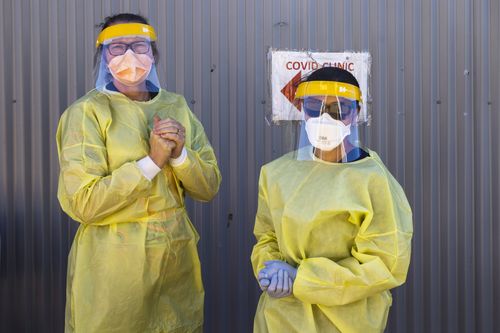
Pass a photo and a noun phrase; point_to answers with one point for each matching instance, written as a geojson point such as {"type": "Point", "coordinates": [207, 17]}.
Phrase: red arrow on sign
{"type": "Point", "coordinates": [290, 89]}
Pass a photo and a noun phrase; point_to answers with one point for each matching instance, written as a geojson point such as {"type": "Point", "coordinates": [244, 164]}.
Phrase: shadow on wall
{"type": "Point", "coordinates": [33, 261]}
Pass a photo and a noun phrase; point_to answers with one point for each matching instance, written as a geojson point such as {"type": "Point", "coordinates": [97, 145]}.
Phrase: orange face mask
{"type": "Point", "coordinates": [130, 69]}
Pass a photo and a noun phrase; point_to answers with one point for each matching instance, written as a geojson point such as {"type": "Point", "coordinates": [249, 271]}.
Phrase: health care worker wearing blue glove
{"type": "Point", "coordinates": [129, 151]}
{"type": "Point", "coordinates": [333, 226]}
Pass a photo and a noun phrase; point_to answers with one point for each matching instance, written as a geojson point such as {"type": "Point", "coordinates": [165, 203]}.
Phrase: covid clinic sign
{"type": "Point", "coordinates": [288, 68]}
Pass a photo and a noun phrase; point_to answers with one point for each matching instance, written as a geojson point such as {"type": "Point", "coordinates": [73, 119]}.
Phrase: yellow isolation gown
{"type": "Point", "coordinates": [133, 265]}
{"type": "Point", "coordinates": [347, 228]}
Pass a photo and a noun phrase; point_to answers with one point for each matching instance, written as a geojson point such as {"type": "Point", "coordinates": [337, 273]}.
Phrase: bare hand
{"type": "Point", "coordinates": [171, 129]}
{"type": "Point", "coordinates": [160, 149]}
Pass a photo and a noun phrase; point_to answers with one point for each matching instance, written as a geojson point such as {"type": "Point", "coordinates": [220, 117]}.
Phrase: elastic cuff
{"type": "Point", "coordinates": [175, 162]}
{"type": "Point", "coordinates": [148, 167]}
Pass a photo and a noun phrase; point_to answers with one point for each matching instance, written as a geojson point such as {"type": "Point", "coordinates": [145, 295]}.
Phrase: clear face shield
{"type": "Point", "coordinates": [126, 61]}
{"type": "Point", "coordinates": [329, 129]}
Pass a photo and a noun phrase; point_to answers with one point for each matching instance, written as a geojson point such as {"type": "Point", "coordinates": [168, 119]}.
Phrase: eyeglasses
{"type": "Point", "coordinates": [117, 49]}
{"type": "Point", "coordinates": [314, 108]}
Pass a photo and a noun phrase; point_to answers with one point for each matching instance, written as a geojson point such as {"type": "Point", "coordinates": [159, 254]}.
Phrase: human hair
{"type": "Point", "coordinates": [123, 18]}
{"type": "Point", "coordinates": [332, 74]}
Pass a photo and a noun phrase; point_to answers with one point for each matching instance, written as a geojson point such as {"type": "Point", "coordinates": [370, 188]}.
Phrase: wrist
{"type": "Point", "coordinates": [160, 162]}
{"type": "Point", "coordinates": [180, 159]}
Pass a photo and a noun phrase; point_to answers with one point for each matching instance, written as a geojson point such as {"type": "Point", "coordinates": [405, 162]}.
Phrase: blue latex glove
{"type": "Point", "coordinates": [264, 283]}
{"type": "Point", "coordinates": [272, 267]}
{"type": "Point", "coordinates": [277, 278]}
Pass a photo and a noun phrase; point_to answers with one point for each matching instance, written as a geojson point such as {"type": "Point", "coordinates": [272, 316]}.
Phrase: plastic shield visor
{"type": "Point", "coordinates": [126, 63]}
{"type": "Point", "coordinates": [329, 130]}
{"type": "Point", "coordinates": [125, 30]}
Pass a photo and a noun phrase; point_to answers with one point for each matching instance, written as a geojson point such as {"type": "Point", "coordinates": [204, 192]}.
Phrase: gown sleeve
{"type": "Point", "coordinates": [88, 191]}
{"type": "Point", "coordinates": [266, 247]}
{"type": "Point", "coordinates": [199, 173]}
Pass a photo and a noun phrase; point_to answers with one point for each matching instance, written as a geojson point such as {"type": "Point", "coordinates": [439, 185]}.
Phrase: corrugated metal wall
{"type": "Point", "coordinates": [435, 96]}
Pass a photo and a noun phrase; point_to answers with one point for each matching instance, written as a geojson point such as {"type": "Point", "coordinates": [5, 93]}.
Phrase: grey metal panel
{"type": "Point", "coordinates": [484, 281]}
{"type": "Point", "coordinates": [495, 151]}
{"type": "Point", "coordinates": [436, 123]}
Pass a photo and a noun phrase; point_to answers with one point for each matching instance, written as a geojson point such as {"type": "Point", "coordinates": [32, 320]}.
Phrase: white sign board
{"type": "Point", "coordinates": [289, 67]}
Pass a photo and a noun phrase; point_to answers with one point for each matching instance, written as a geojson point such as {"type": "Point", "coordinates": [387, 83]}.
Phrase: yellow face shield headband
{"type": "Point", "coordinates": [126, 29]}
{"type": "Point", "coordinates": [328, 88]}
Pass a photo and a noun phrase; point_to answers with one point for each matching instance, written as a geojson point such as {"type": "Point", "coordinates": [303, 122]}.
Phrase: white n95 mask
{"type": "Point", "coordinates": [326, 133]}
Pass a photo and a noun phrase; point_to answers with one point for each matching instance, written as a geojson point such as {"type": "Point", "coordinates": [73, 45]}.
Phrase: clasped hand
{"type": "Point", "coordinates": [166, 141]}
{"type": "Point", "coordinates": [277, 278]}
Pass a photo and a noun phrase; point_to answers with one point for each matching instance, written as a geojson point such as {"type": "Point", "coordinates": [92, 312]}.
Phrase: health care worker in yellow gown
{"type": "Point", "coordinates": [129, 152]}
{"type": "Point", "coordinates": [333, 227]}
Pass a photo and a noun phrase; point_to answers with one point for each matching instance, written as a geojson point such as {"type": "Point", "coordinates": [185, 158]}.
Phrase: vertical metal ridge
{"type": "Point", "coordinates": [485, 278]}
{"type": "Point", "coordinates": [495, 153]}
{"type": "Point", "coordinates": [348, 25]}
{"type": "Point", "coordinates": [401, 313]}
{"type": "Point", "coordinates": [452, 179]}
{"type": "Point", "coordinates": [415, 194]}
{"type": "Point", "coordinates": [468, 236]}
{"type": "Point", "coordinates": [433, 173]}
